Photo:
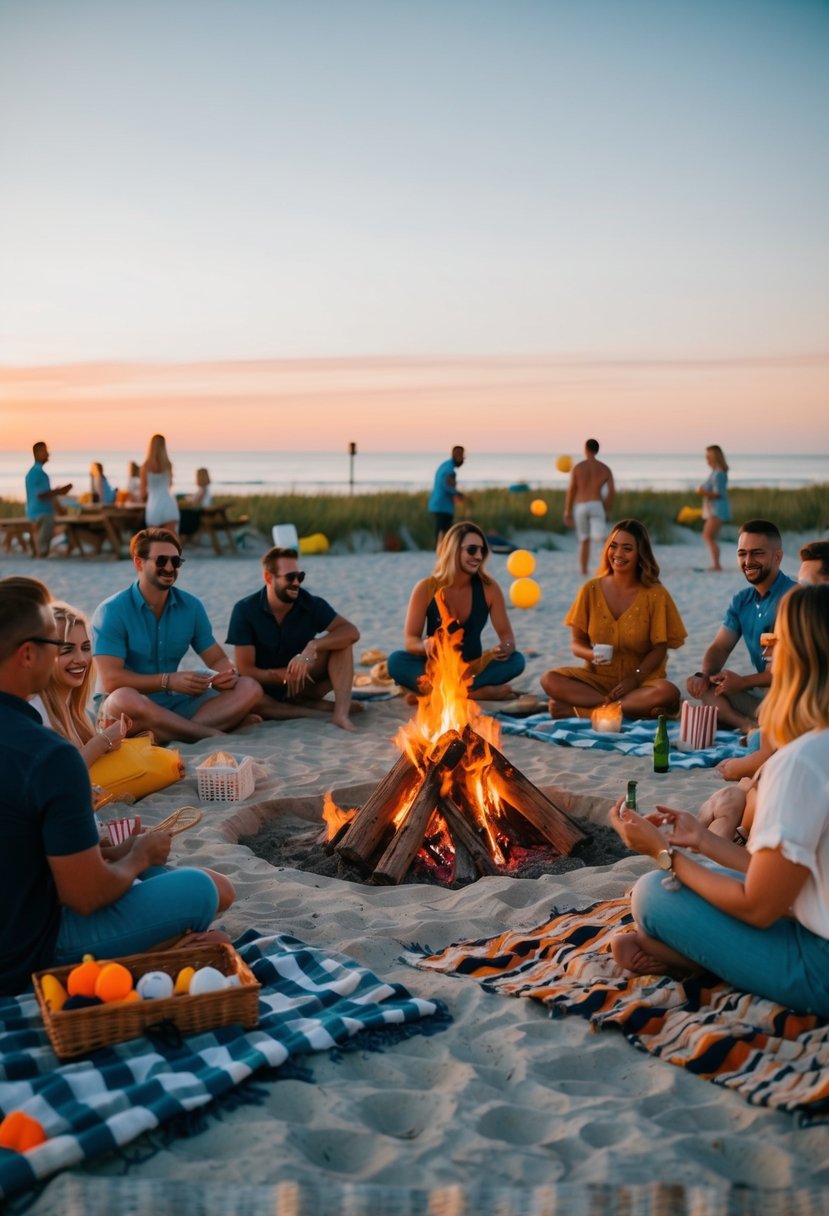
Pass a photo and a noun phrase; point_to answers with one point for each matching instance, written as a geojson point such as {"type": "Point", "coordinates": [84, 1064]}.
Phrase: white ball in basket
{"type": "Point", "coordinates": [207, 979]}
{"type": "Point", "coordinates": [155, 986]}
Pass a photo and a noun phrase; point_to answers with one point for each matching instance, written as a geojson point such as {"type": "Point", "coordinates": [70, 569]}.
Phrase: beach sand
{"type": "Point", "coordinates": [505, 1101]}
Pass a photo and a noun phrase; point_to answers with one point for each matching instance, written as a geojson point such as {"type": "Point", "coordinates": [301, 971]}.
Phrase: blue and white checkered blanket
{"type": "Point", "coordinates": [310, 1001]}
{"type": "Point", "coordinates": [634, 739]}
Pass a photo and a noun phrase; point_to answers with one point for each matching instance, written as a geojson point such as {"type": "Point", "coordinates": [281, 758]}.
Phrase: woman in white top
{"type": "Point", "coordinates": [762, 924]}
{"type": "Point", "coordinates": [161, 509]}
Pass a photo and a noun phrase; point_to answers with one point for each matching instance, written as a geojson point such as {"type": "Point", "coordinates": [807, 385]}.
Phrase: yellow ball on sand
{"type": "Point", "coordinates": [538, 506]}
{"type": "Point", "coordinates": [520, 563]}
{"type": "Point", "coordinates": [525, 593]}
{"type": "Point", "coordinates": [564, 464]}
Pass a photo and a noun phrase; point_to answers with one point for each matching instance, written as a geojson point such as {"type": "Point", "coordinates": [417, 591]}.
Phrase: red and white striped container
{"type": "Point", "coordinates": [697, 727]}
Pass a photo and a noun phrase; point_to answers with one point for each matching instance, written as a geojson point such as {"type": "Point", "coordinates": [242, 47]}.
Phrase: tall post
{"type": "Point", "coordinates": [352, 452]}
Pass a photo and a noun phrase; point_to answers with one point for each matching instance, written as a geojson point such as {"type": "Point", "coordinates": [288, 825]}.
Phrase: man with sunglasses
{"type": "Point", "coordinates": [60, 897]}
{"type": "Point", "coordinates": [140, 636]}
{"type": "Point", "coordinates": [294, 644]}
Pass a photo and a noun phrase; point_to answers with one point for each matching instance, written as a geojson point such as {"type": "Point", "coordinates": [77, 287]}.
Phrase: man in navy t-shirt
{"type": "Point", "coordinates": [59, 896]}
{"type": "Point", "coordinates": [294, 644]}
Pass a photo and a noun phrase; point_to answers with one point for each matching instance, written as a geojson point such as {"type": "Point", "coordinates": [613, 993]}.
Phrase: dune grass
{"type": "Point", "coordinates": [397, 519]}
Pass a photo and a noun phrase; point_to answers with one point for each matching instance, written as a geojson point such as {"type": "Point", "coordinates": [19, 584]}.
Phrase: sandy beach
{"type": "Point", "coordinates": [538, 1115]}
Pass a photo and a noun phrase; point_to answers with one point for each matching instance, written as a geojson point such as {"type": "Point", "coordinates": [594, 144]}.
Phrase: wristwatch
{"type": "Point", "coordinates": [665, 859]}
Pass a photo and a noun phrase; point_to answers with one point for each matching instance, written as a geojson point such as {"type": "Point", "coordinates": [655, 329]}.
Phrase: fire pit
{"type": "Point", "coordinates": [452, 804]}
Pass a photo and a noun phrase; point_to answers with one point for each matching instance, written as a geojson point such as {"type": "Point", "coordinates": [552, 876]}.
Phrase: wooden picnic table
{"type": "Point", "coordinates": [100, 525]}
{"type": "Point", "coordinates": [213, 521]}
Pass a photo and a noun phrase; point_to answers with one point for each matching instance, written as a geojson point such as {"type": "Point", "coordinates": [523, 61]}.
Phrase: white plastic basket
{"type": "Point", "coordinates": [221, 783]}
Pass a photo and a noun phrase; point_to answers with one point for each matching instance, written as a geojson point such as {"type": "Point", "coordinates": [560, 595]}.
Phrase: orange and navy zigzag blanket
{"type": "Point", "coordinates": [770, 1055]}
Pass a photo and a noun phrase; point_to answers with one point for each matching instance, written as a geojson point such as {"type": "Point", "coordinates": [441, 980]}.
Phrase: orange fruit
{"type": "Point", "coordinates": [20, 1132]}
{"type": "Point", "coordinates": [114, 982]}
{"type": "Point", "coordinates": [82, 979]}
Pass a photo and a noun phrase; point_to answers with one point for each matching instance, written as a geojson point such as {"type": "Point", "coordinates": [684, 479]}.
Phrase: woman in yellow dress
{"type": "Point", "coordinates": [623, 622]}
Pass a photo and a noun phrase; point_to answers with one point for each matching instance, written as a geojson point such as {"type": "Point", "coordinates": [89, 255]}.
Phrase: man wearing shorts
{"type": "Point", "coordinates": [590, 495]}
{"type": "Point", "coordinates": [750, 614]}
{"type": "Point", "coordinates": [140, 636]}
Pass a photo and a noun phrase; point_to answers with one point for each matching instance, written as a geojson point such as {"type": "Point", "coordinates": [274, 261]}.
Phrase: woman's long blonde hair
{"type": "Point", "coordinates": [446, 565]}
{"type": "Point", "coordinates": [719, 456]}
{"type": "Point", "coordinates": [157, 460]}
{"type": "Point", "coordinates": [68, 716]}
{"type": "Point", "coordinates": [647, 567]}
{"type": "Point", "coordinates": [799, 697]}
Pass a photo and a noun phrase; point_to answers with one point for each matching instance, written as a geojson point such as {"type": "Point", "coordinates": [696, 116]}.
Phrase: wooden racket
{"type": "Point", "coordinates": [179, 821]}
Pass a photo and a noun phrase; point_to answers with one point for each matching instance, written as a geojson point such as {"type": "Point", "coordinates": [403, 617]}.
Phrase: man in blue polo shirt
{"type": "Point", "coordinates": [294, 644]}
{"type": "Point", "coordinates": [60, 897]}
{"type": "Point", "coordinates": [750, 614]}
{"type": "Point", "coordinates": [140, 636]}
{"type": "Point", "coordinates": [40, 500]}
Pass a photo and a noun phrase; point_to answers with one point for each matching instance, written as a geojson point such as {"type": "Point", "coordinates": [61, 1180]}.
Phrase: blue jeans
{"type": "Point", "coordinates": [785, 962]}
{"type": "Point", "coordinates": [164, 904]}
{"type": "Point", "coordinates": [405, 668]}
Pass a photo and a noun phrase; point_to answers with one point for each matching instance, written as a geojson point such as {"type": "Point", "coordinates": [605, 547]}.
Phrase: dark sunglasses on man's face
{"type": "Point", "coordinates": [474, 550]}
{"type": "Point", "coordinates": [44, 641]}
{"type": "Point", "coordinates": [163, 559]}
{"type": "Point", "coordinates": [294, 576]}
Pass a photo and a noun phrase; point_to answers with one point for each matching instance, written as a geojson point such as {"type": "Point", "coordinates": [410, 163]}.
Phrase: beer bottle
{"type": "Point", "coordinates": [661, 747]}
{"type": "Point", "coordinates": [630, 798]}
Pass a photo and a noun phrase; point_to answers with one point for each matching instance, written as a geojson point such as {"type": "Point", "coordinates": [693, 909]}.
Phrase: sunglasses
{"type": "Point", "coordinates": [162, 561]}
{"type": "Point", "coordinates": [293, 576]}
{"type": "Point", "coordinates": [474, 550]}
{"type": "Point", "coordinates": [44, 641]}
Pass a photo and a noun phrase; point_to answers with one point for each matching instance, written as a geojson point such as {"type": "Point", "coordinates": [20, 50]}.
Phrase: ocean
{"type": "Point", "coordinates": [329, 472]}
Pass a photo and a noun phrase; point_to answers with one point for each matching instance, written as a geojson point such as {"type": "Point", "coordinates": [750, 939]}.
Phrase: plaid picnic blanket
{"type": "Point", "coordinates": [768, 1054]}
{"type": "Point", "coordinates": [634, 739]}
{"type": "Point", "coordinates": [310, 1001]}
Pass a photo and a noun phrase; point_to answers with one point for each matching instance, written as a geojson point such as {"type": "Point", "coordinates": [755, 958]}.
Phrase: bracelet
{"type": "Point", "coordinates": [700, 675]}
{"type": "Point", "coordinates": [165, 681]}
{"type": "Point", "coordinates": [109, 743]}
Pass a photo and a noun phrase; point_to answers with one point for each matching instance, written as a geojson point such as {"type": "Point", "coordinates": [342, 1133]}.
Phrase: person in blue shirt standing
{"type": "Point", "coordinates": [750, 614]}
{"type": "Point", "coordinates": [716, 509]}
{"type": "Point", "coordinates": [445, 494]}
{"type": "Point", "coordinates": [40, 500]}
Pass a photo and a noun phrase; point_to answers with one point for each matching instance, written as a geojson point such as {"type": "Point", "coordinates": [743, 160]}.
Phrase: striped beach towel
{"type": "Point", "coordinates": [768, 1054]}
{"type": "Point", "coordinates": [310, 1001]}
{"type": "Point", "coordinates": [634, 739]}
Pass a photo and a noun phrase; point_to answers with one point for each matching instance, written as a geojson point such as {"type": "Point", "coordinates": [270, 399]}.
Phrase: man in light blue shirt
{"type": "Point", "coordinates": [40, 500]}
{"type": "Point", "coordinates": [445, 494]}
{"type": "Point", "coordinates": [750, 614]}
{"type": "Point", "coordinates": [140, 636]}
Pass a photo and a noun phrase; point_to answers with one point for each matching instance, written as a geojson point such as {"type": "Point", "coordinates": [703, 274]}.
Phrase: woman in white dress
{"type": "Point", "coordinates": [161, 510]}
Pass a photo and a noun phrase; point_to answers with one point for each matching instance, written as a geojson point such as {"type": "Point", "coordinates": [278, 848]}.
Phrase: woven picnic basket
{"type": "Point", "coordinates": [76, 1032]}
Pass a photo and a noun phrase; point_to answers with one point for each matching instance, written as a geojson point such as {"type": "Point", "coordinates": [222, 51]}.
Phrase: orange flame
{"type": "Point", "coordinates": [334, 815]}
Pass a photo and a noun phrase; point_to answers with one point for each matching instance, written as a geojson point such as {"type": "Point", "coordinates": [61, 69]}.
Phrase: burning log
{"type": "Point", "coordinates": [464, 837]}
{"type": "Point", "coordinates": [555, 824]}
{"type": "Point", "coordinates": [408, 838]}
{"type": "Point", "coordinates": [368, 826]}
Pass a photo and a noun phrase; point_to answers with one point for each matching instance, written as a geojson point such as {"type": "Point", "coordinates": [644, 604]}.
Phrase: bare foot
{"type": "Point", "coordinates": [560, 709]}
{"type": "Point", "coordinates": [411, 698]}
{"type": "Point", "coordinates": [250, 720]}
{"type": "Point", "coordinates": [631, 953]}
{"type": "Point", "coordinates": [494, 692]}
{"type": "Point", "coordinates": [343, 721]}
{"type": "Point", "coordinates": [209, 937]}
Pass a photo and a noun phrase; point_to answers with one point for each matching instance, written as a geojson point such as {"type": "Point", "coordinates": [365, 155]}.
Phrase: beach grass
{"type": "Point", "coordinates": [401, 520]}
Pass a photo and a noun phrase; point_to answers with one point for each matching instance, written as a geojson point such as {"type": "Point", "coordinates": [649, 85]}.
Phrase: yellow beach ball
{"type": "Point", "coordinates": [520, 563]}
{"type": "Point", "coordinates": [538, 506]}
{"type": "Point", "coordinates": [525, 593]}
{"type": "Point", "coordinates": [564, 464]}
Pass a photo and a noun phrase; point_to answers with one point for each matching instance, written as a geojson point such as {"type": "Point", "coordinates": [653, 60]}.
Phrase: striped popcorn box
{"type": "Point", "coordinates": [118, 830]}
{"type": "Point", "coordinates": [697, 727]}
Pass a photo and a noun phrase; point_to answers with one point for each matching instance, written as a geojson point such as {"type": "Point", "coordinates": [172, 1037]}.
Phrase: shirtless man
{"type": "Point", "coordinates": [584, 506]}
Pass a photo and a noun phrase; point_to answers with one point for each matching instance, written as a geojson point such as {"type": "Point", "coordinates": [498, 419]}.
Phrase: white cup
{"type": "Point", "coordinates": [602, 653]}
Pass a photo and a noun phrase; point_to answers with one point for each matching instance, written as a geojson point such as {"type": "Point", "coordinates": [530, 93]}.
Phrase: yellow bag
{"type": "Point", "coordinates": [137, 768]}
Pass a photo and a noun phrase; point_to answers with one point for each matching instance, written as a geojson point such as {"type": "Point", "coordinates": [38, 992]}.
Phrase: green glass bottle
{"type": "Point", "coordinates": [661, 747]}
{"type": "Point", "coordinates": [630, 797]}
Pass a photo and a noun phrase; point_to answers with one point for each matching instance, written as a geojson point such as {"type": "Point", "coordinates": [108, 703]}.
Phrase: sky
{"type": "Point", "coordinates": [285, 222]}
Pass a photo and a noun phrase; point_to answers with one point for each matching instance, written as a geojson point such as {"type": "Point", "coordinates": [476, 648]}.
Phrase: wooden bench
{"type": "Point", "coordinates": [19, 531]}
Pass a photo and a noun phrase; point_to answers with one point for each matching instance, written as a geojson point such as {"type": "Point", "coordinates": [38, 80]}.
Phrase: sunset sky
{"type": "Point", "coordinates": [285, 224]}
